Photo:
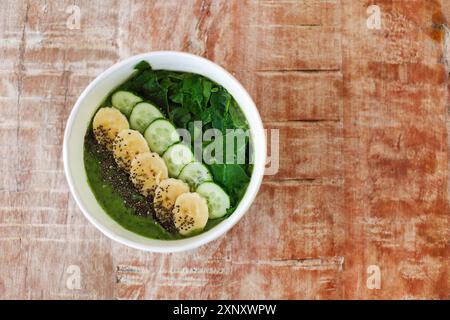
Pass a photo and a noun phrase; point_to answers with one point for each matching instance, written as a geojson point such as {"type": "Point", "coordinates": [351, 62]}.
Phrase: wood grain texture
{"type": "Point", "coordinates": [397, 153]}
{"type": "Point", "coordinates": [317, 96]}
{"type": "Point", "coordinates": [363, 122]}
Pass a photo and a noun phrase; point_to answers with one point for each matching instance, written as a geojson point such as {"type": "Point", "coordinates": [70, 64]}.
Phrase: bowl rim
{"type": "Point", "coordinates": [256, 131]}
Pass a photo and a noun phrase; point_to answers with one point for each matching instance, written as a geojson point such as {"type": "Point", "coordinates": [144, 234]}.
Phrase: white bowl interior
{"type": "Point", "coordinates": [85, 108]}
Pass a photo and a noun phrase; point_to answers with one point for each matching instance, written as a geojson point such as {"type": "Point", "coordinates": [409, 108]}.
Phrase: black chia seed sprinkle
{"type": "Point", "coordinates": [119, 179]}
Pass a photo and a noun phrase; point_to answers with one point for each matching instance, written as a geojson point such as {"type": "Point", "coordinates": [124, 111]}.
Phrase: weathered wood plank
{"type": "Point", "coordinates": [160, 28]}
{"type": "Point", "coordinates": [299, 13]}
{"type": "Point", "coordinates": [291, 220]}
{"type": "Point", "coordinates": [50, 270]}
{"type": "Point", "coordinates": [307, 279]}
{"type": "Point", "coordinates": [41, 231]}
{"type": "Point", "coordinates": [147, 275]}
{"type": "Point", "coordinates": [298, 279]}
{"type": "Point", "coordinates": [290, 48]}
{"type": "Point", "coordinates": [42, 256]}
{"type": "Point", "coordinates": [264, 40]}
{"type": "Point", "coordinates": [286, 96]}
{"type": "Point", "coordinates": [396, 153]}
{"type": "Point", "coordinates": [308, 150]}
{"type": "Point", "coordinates": [33, 206]}
{"type": "Point", "coordinates": [12, 280]}
{"type": "Point", "coordinates": [204, 28]}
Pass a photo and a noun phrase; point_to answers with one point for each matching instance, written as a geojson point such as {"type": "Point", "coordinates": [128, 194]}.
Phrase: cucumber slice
{"type": "Point", "coordinates": [125, 101]}
{"type": "Point", "coordinates": [217, 199]}
{"type": "Point", "coordinates": [160, 135]}
{"type": "Point", "coordinates": [142, 115]}
{"type": "Point", "coordinates": [194, 174]}
{"type": "Point", "coordinates": [176, 157]}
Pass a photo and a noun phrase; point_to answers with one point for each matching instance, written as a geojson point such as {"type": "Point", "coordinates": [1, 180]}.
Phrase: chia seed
{"type": "Point", "coordinates": [119, 179]}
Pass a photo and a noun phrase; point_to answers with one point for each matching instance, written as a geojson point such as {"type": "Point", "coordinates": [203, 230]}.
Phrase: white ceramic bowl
{"type": "Point", "coordinates": [85, 108]}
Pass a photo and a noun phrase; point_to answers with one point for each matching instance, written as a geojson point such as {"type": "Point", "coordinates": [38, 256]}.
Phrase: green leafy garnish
{"type": "Point", "coordinates": [185, 98]}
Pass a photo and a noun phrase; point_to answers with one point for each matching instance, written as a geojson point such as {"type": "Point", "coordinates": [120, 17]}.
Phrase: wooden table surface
{"type": "Point", "coordinates": [359, 205]}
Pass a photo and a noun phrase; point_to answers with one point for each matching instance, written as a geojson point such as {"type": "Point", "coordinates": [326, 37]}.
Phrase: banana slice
{"type": "Point", "coordinates": [190, 213]}
{"type": "Point", "coordinates": [165, 196]}
{"type": "Point", "coordinates": [106, 125]}
{"type": "Point", "coordinates": [127, 145]}
{"type": "Point", "coordinates": [147, 170]}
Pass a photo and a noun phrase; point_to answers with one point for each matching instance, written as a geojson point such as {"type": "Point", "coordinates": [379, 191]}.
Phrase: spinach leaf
{"type": "Point", "coordinates": [220, 100]}
{"type": "Point", "coordinates": [177, 97]}
{"type": "Point", "coordinates": [220, 104]}
{"type": "Point", "coordinates": [207, 85]}
{"type": "Point", "coordinates": [192, 86]}
{"type": "Point", "coordinates": [180, 116]}
{"type": "Point", "coordinates": [206, 116]}
{"type": "Point", "coordinates": [143, 65]}
{"type": "Point", "coordinates": [237, 116]}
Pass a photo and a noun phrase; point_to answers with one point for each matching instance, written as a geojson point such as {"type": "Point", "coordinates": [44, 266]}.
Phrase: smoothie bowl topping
{"type": "Point", "coordinates": [168, 154]}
